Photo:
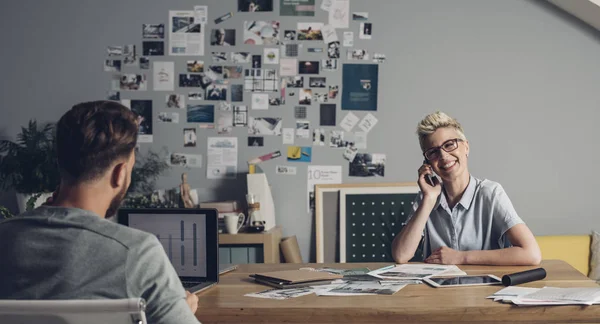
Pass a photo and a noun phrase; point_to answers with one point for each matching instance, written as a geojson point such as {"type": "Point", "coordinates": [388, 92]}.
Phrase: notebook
{"type": "Point", "coordinates": [295, 278]}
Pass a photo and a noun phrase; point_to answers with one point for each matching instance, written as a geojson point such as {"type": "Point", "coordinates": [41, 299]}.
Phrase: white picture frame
{"type": "Point", "coordinates": [320, 189]}
{"type": "Point", "coordinates": [408, 188]}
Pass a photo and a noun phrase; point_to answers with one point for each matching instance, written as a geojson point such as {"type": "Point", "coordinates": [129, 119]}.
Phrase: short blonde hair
{"type": "Point", "coordinates": [436, 120]}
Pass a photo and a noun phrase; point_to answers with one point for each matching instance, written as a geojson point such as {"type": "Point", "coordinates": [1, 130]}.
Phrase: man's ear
{"type": "Point", "coordinates": [467, 147]}
{"type": "Point", "coordinates": [119, 175]}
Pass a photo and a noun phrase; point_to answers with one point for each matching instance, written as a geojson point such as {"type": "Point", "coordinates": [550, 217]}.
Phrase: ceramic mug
{"type": "Point", "coordinates": [233, 222]}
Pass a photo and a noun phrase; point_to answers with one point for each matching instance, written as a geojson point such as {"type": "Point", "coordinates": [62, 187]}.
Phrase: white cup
{"type": "Point", "coordinates": [233, 222]}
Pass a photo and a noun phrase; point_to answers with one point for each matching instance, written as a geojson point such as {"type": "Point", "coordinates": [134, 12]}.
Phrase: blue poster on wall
{"type": "Point", "coordinates": [359, 90]}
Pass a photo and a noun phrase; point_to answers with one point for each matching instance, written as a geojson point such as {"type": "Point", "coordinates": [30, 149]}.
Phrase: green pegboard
{"type": "Point", "coordinates": [372, 222]}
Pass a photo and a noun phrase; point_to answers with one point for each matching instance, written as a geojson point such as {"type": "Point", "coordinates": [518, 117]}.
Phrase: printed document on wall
{"type": "Point", "coordinates": [164, 76]}
{"type": "Point", "coordinates": [222, 158]}
{"type": "Point", "coordinates": [360, 86]}
{"type": "Point", "coordinates": [339, 13]}
{"type": "Point", "coordinates": [321, 174]}
{"type": "Point", "coordinates": [186, 33]}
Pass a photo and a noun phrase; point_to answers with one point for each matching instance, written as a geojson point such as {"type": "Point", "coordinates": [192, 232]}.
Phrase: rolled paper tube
{"type": "Point", "coordinates": [290, 250]}
{"type": "Point", "coordinates": [518, 278]}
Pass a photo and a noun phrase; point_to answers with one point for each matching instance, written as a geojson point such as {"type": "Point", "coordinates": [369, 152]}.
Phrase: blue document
{"type": "Point", "coordinates": [359, 91]}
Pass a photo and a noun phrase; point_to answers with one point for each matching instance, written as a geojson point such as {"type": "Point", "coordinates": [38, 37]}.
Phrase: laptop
{"type": "Point", "coordinates": [190, 239]}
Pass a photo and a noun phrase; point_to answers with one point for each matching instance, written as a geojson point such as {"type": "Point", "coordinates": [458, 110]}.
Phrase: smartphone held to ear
{"type": "Point", "coordinates": [429, 177]}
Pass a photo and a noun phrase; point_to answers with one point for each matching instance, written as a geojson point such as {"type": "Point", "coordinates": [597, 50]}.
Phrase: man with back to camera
{"type": "Point", "coordinates": [68, 249]}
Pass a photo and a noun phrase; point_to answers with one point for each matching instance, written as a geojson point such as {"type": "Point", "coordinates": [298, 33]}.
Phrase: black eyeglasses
{"type": "Point", "coordinates": [434, 153]}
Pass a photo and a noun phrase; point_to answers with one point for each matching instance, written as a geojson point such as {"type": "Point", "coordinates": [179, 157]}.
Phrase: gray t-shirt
{"type": "Point", "coordinates": [479, 221]}
{"type": "Point", "coordinates": [70, 253]}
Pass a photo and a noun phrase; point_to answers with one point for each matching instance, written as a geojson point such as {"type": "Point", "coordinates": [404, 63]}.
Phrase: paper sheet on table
{"type": "Point", "coordinates": [281, 294]}
{"type": "Point", "coordinates": [361, 288]}
{"type": "Point", "coordinates": [414, 271]}
{"type": "Point", "coordinates": [512, 291]}
{"type": "Point", "coordinates": [585, 296]}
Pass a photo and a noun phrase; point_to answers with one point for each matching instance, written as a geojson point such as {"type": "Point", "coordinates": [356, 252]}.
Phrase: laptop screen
{"type": "Point", "coordinates": [188, 236]}
{"type": "Point", "coordinates": [183, 236]}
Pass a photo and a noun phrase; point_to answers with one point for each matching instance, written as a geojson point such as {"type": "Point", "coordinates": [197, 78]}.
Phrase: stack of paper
{"type": "Point", "coordinates": [548, 296]}
{"type": "Point", "coordinates": [416, 271]}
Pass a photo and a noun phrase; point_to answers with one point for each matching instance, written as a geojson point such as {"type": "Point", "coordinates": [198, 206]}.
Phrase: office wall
{"type": "Point", "coordinates": [521, 76]}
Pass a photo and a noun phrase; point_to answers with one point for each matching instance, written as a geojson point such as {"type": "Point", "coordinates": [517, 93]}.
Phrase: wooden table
{"type": "Point", "coordinates": [226, 303]}
{"type": "Point", "coordinates": [269, 240]}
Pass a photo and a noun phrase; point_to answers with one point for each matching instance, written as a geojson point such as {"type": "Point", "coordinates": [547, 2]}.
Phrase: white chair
{"type": "Point", "coordinates": [90, 311]}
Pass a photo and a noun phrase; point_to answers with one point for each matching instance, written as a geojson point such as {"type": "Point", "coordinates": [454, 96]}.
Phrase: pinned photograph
{"type": "Point", "coordinates": [260, 101]}
{"type": "Point", "coordinates": [255, 5]}
{"type": "Point", "coordinates": [112, 65]}
{"type": "Point", "coordinates": [195, 66]}
{"type": "Point", "coordinates": [317, 82]}
{"type": "Point", "coordinates": [144, 63]}
{"type": "Point", "coordinates": [113, 95]}
{"type": "Point", "coordinates": [308, 67]}
{"type": "Point", "coordinates": [261, 80]}
{"type": "Point", "coordinates": [367, 165]}
{"type": "Point", "coordinates": [294, 81]}
{"type": "Point", "coordinates": [185, 160]}
{"type": "Point", "coordinates": [222, 37]}
{"type": "Point", "coordinates": [365, 30]}
{"type": "Point", "coordinates": [194, 81]}
{"type": "Point", "coordinates": [153, 48]}
{"type": "Point", "coordinates": [130, 54]}
{"type": "Point", "coordinates": [305, 97]}
{"type": "Point", "coordinates": [291, 50]}
{"type": "Point", "coordinates": [237, 92]}
{"type": "Point", "coordinates": [153, 30]}
{"type": "Point", "coordinates": [189, 137]}
{"type": "Point", "coordinates": [333, 50]}
{"type": "Point", "coordinates": [240, 57]}
{"type": "Point", "coordinates": [165, 117]}
{"type": "Point", "coordinates": [256, 61]}
{"type": "Point", "coordinates": [333, 91]}
{"type": "Point", "coordinates": [297, 8]}
{"type": "Point", "coordinates": [225, 122]}
{"type": "Point", "coordinates": [219, 57]}
{"type": "Point", "coordinates": [185, 24]}
{"type": "Point", "coordinates": [271, 56]}
{"type": "Point", "coordinates": [302, 129]}
{"type": "Point", "coordinates": [143, 112]}
{"type": "Point", "coordinates": [240, 116]}
{"type": "Point", "coordinates": [195, 95]}
{"type": "Point", "coordinates": [378, 58]}
{"type": "Point", "coordinates": [315, 50]}
{"type": "Point", "coordinates": [357, 54]}
{"type": "Point", "coordinates": [360, 16]}
{"type": "Point", "coordinates": [176, 101]}
{"type": "Point", "coordinates": [299, 154]}
{"type": "Point", "coordinates": [336, 139]}
{"type": "Point", "coordinates": [114, 50]}
{"type": "Point", "coordinates": [133, 82]}
{"type": "Point", "coordinates": [203, 114]}
{"type": "Point", "coordinates": [327, 115]}
{"type": "Point", "coordinates": [320, 97]}
{"type": "Point", "coordinates": [289, 35]}
{"type": "Point", "coordinates": [256, 141]}
{"type": "Point", "coordinates": [264, 126]}
{"type": "Point", "coordinates": [310, 31]}
{"type": "Point", "coordinates": [232, 72]}
{"type": "Point", "coordinates": [216, 92]}
{"type": "Point", "coordinates": [214, 72]}
{"type": "Point", "coordinates": [261, 32]}
{"type": "Point", "coordinates": [318, 137]}
{"type": "Point", "coordinates": [300, 112]}
{"type": "Point", "coordinates": [274, 101]}
{"type": "Point", "coordinates": [330, 65]}
{"type": "Point", "coordinates": [350, 153]}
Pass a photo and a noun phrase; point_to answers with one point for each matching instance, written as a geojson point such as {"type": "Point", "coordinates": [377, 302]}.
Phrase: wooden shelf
{"type": "Point", "coordinates": [269, 240]}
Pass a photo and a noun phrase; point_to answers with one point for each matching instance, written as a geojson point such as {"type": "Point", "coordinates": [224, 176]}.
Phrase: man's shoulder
{"type": "Point", "coordinates": [86, 221]}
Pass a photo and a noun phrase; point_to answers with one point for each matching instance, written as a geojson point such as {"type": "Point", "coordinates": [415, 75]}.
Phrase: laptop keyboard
{"type": "Point", "coordinates": [188, 284]}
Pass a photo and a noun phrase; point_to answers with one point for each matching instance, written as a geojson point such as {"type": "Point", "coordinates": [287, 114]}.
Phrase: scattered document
{"type": "Point", "coordinates": [524, 296]}
{"type": "Point", "coordinates": [282, 294]}
{"type": "Point", "coordinates": [222, 158]}
{"type": "Point", "coordinates": [415, 271]}
{"type": "Point", "coordinates": [360, 288]}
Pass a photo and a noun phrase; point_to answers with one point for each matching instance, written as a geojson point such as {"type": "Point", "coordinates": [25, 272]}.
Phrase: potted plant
{"type": "Point", "coordinates": [29, 165]}
{"type": "Point", "coordinates": [148, 167]}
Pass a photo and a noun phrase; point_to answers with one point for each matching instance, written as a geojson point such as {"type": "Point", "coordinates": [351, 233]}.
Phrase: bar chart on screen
{"type": "Point", "coordinates": [182, 237]}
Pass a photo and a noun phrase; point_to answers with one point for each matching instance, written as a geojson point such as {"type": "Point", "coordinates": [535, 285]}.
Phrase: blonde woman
{"type": "Point", "coordinates": [464, 220]}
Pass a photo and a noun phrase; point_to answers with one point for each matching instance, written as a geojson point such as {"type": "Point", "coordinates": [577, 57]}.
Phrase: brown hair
{"type": "Point", "coordinates": [92, 136]}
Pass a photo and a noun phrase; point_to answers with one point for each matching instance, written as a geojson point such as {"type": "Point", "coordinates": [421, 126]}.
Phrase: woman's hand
{"type": "Point", "coordinates": [429, 191]}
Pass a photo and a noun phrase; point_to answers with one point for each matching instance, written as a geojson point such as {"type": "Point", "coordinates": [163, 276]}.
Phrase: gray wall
{"type": "Point", "coordinates": [521, 76]}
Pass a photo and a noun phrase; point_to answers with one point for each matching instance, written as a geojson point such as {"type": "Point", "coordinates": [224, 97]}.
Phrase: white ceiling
{"type": "Point", "coordinates": [586, 10]}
